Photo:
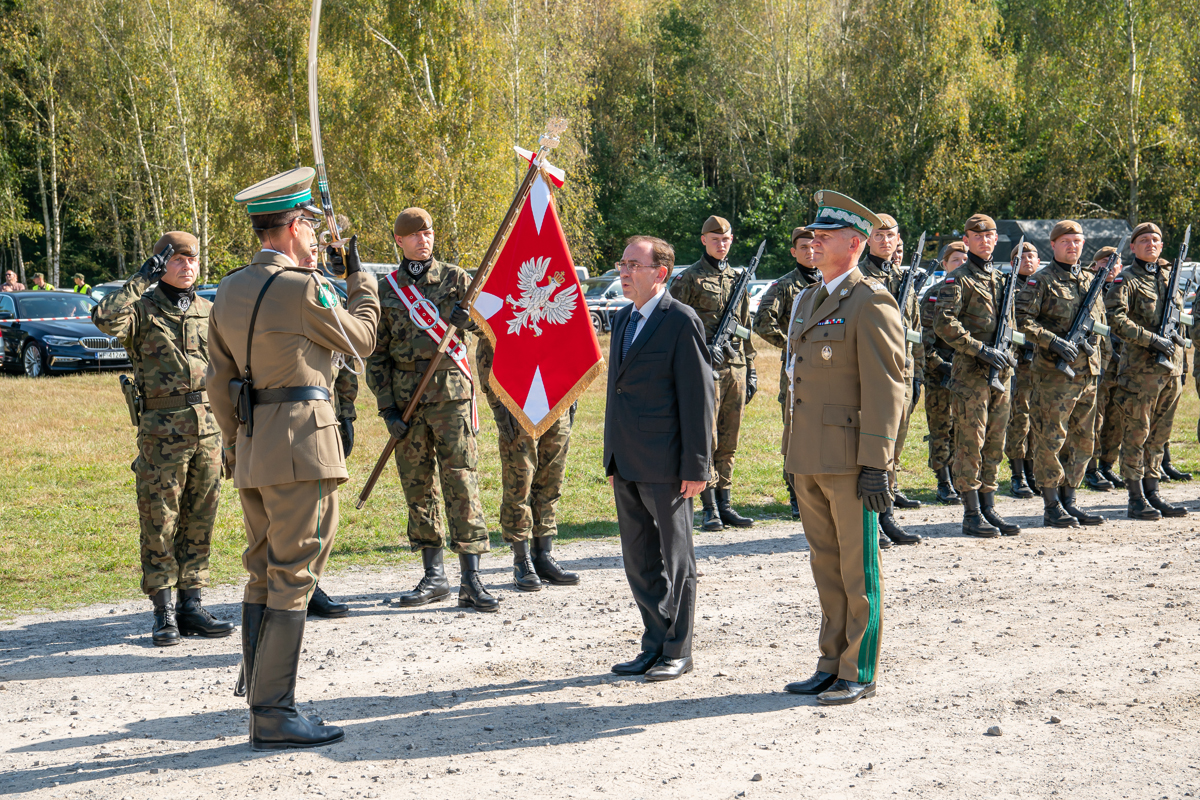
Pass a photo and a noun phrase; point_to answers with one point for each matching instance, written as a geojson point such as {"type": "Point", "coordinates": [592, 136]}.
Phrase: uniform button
{"type": "Point", "coordinates": [803, 339]}
{"type": "Point", "coordinates": [799, 359]}
{"type": "Point", "coordinates": [618, 391]}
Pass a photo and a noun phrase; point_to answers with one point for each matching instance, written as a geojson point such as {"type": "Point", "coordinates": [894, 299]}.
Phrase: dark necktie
{"type": "Point", "coordinates": [822, 296]}
{"type": "Point", "coordinates": [630, 332]}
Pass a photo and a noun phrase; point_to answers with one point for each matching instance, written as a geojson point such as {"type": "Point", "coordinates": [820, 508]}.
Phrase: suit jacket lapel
{"type": "Point", "coordinates": [833, 301]}
{"type": "Point", "coordinates": [656, 317]}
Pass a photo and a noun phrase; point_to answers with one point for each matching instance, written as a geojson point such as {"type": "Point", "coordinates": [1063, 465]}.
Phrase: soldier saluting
{"type": "Point", "coordinates": [178, 468]}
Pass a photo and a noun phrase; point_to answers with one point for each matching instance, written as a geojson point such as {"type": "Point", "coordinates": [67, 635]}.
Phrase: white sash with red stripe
{"type": "Point", "coordinates": [424, 314]}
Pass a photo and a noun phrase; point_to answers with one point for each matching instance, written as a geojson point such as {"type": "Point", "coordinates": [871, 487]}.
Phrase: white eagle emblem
{"type": "Point", "coordinates": [536, 303]}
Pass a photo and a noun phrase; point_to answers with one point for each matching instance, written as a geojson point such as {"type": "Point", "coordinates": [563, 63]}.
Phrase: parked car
{"type": "Point", "coordinates": [100, 290]}
{"type": "Point", "coordinates": [756, 289]}
{"type": "Point", "coordinates": [44, 332]}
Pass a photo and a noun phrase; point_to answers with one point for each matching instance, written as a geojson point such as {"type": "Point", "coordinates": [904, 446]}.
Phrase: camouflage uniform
{"type": "Point", "coordinates": [938, 398]}
{"type": "Point", "coordinates": [1017, 442]}
{"type": "Point", "coordinates": [1108, 414]}
{"type": "Point", "coordinates": [1147, 393]}
{"type": "Point", "coordinates": [706, 288]}
{"type": "Point", "coordinates": [532, 470]}
{"type": "Point", "coordinates": [1064, 407]}
{"type": "Point", "coordinates": [178, 468]}
{"type": "Point", "coordinates": [965, 318]}
{"type": "Point", "coordinates": [773, 316]}
{"type": "Point", "coordinates": [345, 386]}
{"type": "Point", "coordinates": [440, 442]}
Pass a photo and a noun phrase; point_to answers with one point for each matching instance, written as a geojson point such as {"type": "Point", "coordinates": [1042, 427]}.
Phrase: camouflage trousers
{"type": "Point", "coordinates": [1109, 424]}
{"type": "Point", "coordinates": [178, 486]}
{"type": "Point", "coordinates": [728, 405]}
{"type": "Point", "coordinates": [940, 419]}
{"type": "Point", "coordinates": [533, 471]}
{"type": "Point", "coordinates": [438, 457]}
{"type": "Point", "coordinates": [1147, 404]}
{"type": "Point", "coordinates": [1064, 427]}
{"type": "Point", "coordinates": [980, 420]}
{"type": "Point", "coordinates": [901, 432]}
{"type": "Point", "coordinates": [1017, 442]}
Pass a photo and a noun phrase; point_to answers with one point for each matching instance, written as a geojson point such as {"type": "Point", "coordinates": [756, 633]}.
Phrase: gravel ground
{"type": "Point", "coordinates": [1079, 645]}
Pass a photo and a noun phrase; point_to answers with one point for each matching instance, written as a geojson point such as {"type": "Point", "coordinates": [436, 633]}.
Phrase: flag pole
{"type": "Point", "coordinates": [546, 142]}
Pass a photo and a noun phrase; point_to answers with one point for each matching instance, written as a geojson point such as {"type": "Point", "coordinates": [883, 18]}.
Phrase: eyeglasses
{"type": "Point", "coordinates": [630, 266]}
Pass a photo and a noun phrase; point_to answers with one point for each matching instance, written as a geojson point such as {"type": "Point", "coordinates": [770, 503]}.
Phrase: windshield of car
{"type": "Point", "coordinates": [54, 305]}
{"type": "Point", "coordinates": [596, 287]}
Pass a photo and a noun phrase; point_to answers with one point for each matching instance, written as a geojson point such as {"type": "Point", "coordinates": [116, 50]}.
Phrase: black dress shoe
{"type": "Point", "coordinates": [668, 669]}
{"type": "Point", "coordinates": [819, 682]}
{"type": "Point", "coordinates": [884, 542]}
{"type": "Point", "coordinates": [843, 693]}
{"type": "Point", "coordinates": [638, 666]}
{"type": "Point", "coordinates": [320, 605]}
{"type": "Point", "coordinates": [193, 619]}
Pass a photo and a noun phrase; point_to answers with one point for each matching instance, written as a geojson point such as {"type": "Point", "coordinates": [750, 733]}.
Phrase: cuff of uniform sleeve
{"type": "Point", "coordinates": [875, 450]}
{"type": "Point", "coordinates": [386, 401]}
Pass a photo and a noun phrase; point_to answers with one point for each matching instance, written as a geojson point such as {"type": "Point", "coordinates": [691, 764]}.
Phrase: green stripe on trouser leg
{"type": "Point", "coordinates": [868, 651]}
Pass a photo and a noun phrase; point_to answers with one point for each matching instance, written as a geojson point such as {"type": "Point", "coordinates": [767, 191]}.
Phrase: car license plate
{"type": "Point", "coordinates": [112, 355]}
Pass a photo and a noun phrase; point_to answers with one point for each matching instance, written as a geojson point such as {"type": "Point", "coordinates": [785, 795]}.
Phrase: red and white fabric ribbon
{"type": "Point", "coordinates": [42, 319]}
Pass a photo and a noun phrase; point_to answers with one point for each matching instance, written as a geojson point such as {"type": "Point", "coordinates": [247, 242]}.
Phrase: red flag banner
{"type": "Point", "coordinates": [531, 309]}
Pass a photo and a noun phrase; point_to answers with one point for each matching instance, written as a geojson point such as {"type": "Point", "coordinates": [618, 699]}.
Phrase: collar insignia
{"type": "Point", "coordinates": [184, 303]}
{"type": "Point", "coordinates": [843, 292]}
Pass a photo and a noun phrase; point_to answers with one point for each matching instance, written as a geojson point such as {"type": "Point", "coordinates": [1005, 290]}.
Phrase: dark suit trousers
{"type": "Point", "coordinates": [660, 564]}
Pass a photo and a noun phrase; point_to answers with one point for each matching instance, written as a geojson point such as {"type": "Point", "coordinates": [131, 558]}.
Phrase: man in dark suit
{"type": "Point", "coordinates": [657, 442]}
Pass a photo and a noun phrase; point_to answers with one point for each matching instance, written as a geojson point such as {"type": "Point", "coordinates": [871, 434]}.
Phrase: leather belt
{"type": "Point", "coordinates": [199, 398]}
{"type": "Point", "coordinates": [421, 366]}
{"type": "Point", "coordinates": [289, 394]}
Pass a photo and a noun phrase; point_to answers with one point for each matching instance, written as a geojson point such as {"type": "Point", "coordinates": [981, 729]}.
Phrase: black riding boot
{"type": "Point", "coordinates": [252, 617]}
{"type": "Point", "coordinates": [987, 504]}
{"type": "Point", "coordinates": [471, 593]}
{"type": "Point", "coordinates": [433, 584]}
{"type": "Point", "coordinates": [1106, 469]}
{"type": "Point", "coordinates": [525, 576]}
{"type": "Point", "coordinates": [974, 523]}
{"type": "Point", "coordinates": [728, 515]}
{"type": "Point", "coordinates": [1018, 488]}
{"type": "Point", "coordinates": [193, 619]}
{"type": "Point", "coordinates": [1094, 479]}
{"type": "Point", "coordinates": [275, 722]}
{"type": "Point", "coordinates": [1067, 495]}
{"type": "Point", "coordinates": [321, 605]}
{"type": "Point", "coordinates": [1138, 507]}
{"type": "Point", "coordinates": [547, 568]}
{"type": "Point", "coordinates": [165, 631]}
{"type": "Point", "coordinates": [1169, 471]}
{"type": "Point", "coordinates": [1150, 489]}
{"type": "Point", "coordinates": [1054, 515]}
{"type": "Point", "coordinates": [1030, 480]}
{"type": "Point", "coordinates": [712, 520]}
{"type": "Point", "coordinates": [946, 493]}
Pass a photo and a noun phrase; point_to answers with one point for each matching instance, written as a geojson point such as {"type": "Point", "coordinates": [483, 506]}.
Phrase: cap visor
{"type": "Point", "coordinates": [827, 226]}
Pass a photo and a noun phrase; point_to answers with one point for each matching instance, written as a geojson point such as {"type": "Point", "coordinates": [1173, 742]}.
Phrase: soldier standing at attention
{"type": "Point", "coordinates": [1017, 446]}
{"type": "Point", "coordinates": [965, 318]}
{"type": "Point", "coordinates": [939, 358]}
{"type": "Point", "coordinates": [178, 468]}
{"type": "Point", "coordinates": [1108, 414]}
{"type": "Point", "coordinates": [439, 441]}
{"type": "Point", "coordinates": [276, 327]}
{"type": "Point", "coordinates": [706, 287]}
{"type": "Point", "coordinates": [532, 473]}
{"type": "Point", "coordinates": [1147, 392]}
{"type": "Point", "coordinates": [846, 372]}
{"type": "Point", "coordinates": [1064, 406]}
{"type": "Point", "coordinates": [882, 263]}
{"type": "Point", "coordinates": [774, 314]}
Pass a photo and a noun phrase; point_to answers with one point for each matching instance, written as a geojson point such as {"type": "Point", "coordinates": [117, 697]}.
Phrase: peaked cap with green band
{"type": "Point", "coordinates": [282, 192]}
{"type": "Point", "coordinates": [835, 210]}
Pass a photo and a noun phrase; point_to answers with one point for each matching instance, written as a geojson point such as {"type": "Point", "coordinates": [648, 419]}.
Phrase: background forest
{"type": "Point", "coordinates": [124, 118]}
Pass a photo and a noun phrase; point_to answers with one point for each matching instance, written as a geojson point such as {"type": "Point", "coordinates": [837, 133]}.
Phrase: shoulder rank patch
{"type": "Point", "coordinates": [877, 286]}
{"type": "Point", "coordinates": [326, 296]}
{"type": "Point", "coordinates": [832, 322]}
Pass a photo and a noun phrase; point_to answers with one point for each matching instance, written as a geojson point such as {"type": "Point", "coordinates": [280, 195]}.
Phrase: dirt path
{"type": "Point", "coordinates": [1095, 629]}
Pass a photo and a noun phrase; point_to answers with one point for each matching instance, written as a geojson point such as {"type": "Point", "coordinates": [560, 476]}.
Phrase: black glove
{"type": "Point", "coordinates": [996, 358]}
{"type": "Point", "coordinates": [347, 431]}
{"type": "Point", "coordinates": [574, 408]}
{"type": "Point", "coordinates": [347, 264]}
{"type": "Point", "coordinates": [506, 424]}
{"type": "Point", "coordinates": [394, 421]}
{"type": "Point", "coordinates": [461, 318]}
{"type": "Point", "coordinates": [874, 490]}
{"type": "Point", "coordinates": [716, 356]}
{"type": "Point", "coordinates": [1162, 344]}
{"type": "Point", "coordinates": [1064, 349]}
{"type": "Point", "coordinates": [155, 266]}
{"type": "Point", "coordinates": [751, 384]}
{"type": "Point", "coordinates": [946, 368]}
{"type": "Point", "coordinates": [1178, 340]}
{"type": "Point", "coordinates": [917, 384]}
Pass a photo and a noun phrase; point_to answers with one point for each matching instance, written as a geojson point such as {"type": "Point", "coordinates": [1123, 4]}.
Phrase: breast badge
{"type": "Point", "coordinates": [827, 352]}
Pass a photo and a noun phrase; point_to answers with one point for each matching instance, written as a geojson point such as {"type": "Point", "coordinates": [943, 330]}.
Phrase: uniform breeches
{"type": "Point", "coordinates": [533, 471]}
{"type": "Point", "coordinates": [438, 456]}
{"type": "Point", "coordinates": [941, 423]}
{"type": "Point", "coordinates": [1109, 425]}
{"type": "Point", "coordinates": [1064, 428]}
{"type": "Point", "coordinates": [1016, 438]}
{"type": "Point", "coordinates": [290, 529]}
{"type": "Point", "coordinates": [980, 420]}
{"type": "Point", "coordinates": [1148, 404]}
{"type": "Point", "coordinates": [178, 486]}
{"type": "Point", "coordinates": [728, 404]}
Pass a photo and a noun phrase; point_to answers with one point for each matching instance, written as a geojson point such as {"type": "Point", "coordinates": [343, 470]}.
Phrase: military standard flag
{"type": "Point", "coordinates": [531, 308]}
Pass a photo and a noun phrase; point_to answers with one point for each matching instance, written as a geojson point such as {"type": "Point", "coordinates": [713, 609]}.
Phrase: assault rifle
{"type": "Point", "coordinates": [728, 327]}
{"type": "Point", "coordinates": [1172, 314]}
{"type": "Point", "coordinates": [1083, 326]}
{"type": "Point", "coordinates": [907, 288]}
{"type": "Point", "coordinates": [1006, 334]}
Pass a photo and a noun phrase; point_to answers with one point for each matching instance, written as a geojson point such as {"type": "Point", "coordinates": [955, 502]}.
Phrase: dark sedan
{"type": "Point", "coordinates": [44, 332]}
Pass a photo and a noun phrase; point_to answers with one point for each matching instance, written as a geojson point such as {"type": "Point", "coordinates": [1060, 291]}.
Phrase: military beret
{"type": "Point", "coordinates": [182, 241]}
{"type": "Point", "coordinates": [715, 224]}
{"type": "Point", "coordinates": [954, 247]}
{"type": "Point", "coordinates": [836, 210]}
{"type": "Point", "coordinates": [282, 192]}
{"type": "Point", "coordinates": [1028, 247]}
{"type": "Point", "coordinates": [1065, 227]}
{"type": "Point", "coordinates": [412, 220]}
{"type": "Point", "coordinates": [79, 276]}
{"type": "Point", "coordinates": [1103, 254]}
{"type": "Point", "coordinates": [801, 233]}
{"type": "Point", "coordinates": [1145, 227]}
{"type": "Point", "coordinates": [887, 222]}
{"type": "Point", "coordinates": [981, 223]}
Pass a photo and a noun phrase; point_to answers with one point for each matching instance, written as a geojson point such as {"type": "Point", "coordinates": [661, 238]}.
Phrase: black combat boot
{"type": "Point", "coordinates": [1150, 489]}
{"type": "Point", "coordinates": [900, 501]}
{"type": "Point", "coordinates": [893, 531]}
{"type": "Point", "coordinates": [712, 520]}
{"type": "Point", "coordinates": [165, 631]}
{"type": "Point", "coordinates": [1054, 515]}
{"type": "Point", "coordinates": [193, 619]}
{"type": "Point", "coordinates": [1030, 480]}
{"type": "Point", "coordinates": [946, 493]}
{"type": "Point", "coordinates": [974, 523]}
{"type": "Point", "coordinates": [525, 576]}
{"type": "Point", "coordinates": [728, 515]}
{"type": "Point", "coordinates": [471, 593]}
{"type": "Point", "coordinates": [884, 542]}
{"type": "Point", "coordinates": [252, 617]}
{"type": "Point", "coordinates": [321, 605]}
{"type": "Point", "coordinates": [433, 584]}
{"type": "Point", "coordinates": [1169, 472]}
{"type": "Point", "coordinates": [987, 504]}
{"type": "Point", "coordinates": [547, 568]}
{"type": "Point", "coordinates": [1106, 469]}
{"type": "Point", "coordinates": [1138, 507]}
{"type": "Point", "coordinates": [275, 722]}
{"type": "Point", "coordinates": [1067, 495]}
{"type": "Point", "coordinates": [787, 481]}
{"type": "Point", "coordinates": [1018, 488]}
{"type": "Point", "coordinates": [1095, 479]}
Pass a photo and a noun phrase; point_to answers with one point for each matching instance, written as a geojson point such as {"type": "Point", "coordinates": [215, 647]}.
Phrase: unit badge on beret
{"type": "Point", "coordinates": [826, 352]}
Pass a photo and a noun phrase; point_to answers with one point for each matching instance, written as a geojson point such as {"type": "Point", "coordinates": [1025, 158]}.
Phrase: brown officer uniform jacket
{"type": "Point", "coordinates": [295, 337]}
{"type": "Point", "coordinates": [848, 379]}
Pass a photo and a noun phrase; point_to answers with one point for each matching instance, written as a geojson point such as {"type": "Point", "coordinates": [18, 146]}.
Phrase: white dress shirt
{"type": "Point", "coordinates": [645, 310]}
